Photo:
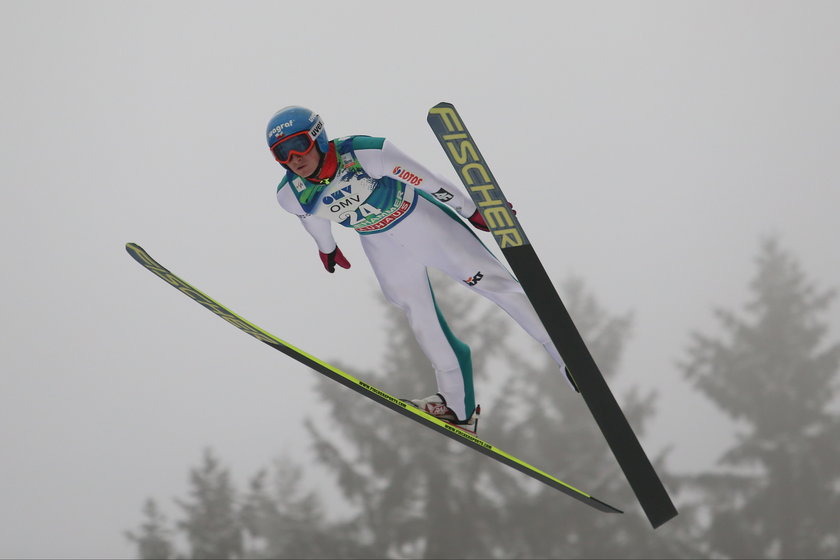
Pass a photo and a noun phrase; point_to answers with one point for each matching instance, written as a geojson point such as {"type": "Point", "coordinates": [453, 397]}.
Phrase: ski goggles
{"type": "Point", "coordinates": [299, 143]}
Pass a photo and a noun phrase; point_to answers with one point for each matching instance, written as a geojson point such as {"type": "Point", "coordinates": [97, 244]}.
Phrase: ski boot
{"type": "Point", "coordinates": [436, 406]}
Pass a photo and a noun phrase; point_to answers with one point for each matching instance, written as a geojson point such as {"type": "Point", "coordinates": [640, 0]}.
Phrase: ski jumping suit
{"type": "Point", "coordinates": [397, 207]}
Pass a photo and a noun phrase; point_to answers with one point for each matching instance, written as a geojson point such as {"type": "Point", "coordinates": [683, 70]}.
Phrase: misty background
{"type": "Point", "coordinates": [647, 147]}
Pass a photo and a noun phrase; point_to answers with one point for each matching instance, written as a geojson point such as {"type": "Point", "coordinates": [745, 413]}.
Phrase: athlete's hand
{"type": "Point", "coordinates": [334, 258]}
{"type": "Point", "coordinates": [477, 220]}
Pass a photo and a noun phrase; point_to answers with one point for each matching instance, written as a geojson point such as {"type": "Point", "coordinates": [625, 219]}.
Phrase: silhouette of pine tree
{"type": "Point", "coordinates": [211, 522]}
{"type": "Point", "coordinates": [558, 434]}
{"type": "Point", "coordinates": [154, 540]}
{"type": "Point", "coordinates": [776, 493]}
{"type": "Point", "coordinates": [283, 520]}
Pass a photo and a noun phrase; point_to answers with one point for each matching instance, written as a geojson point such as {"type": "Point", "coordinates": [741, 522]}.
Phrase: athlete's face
{"type": "Point", "coordinates": [305, 165]}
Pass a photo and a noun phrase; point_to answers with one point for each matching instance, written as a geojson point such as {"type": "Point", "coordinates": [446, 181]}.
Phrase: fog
{"type": "Point", "coordinates": [647, 148]}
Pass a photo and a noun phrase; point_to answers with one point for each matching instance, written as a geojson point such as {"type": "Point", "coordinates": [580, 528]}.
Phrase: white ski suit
{"type": "Point", "coordinates": [397, 207]}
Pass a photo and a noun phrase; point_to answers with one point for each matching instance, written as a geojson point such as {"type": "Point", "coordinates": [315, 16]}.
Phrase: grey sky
{"type": "Point", "coordinates": [646, 146]}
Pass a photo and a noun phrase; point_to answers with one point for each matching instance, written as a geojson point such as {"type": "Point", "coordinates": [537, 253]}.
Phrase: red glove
{"type": "Point", "coordinates": [477, 220]}
{"type": "Point", "coordinates": [334, 258]}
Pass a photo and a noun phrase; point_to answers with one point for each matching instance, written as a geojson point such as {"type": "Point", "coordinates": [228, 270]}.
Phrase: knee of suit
{"type": "Point", "coordinates": [395, 300]}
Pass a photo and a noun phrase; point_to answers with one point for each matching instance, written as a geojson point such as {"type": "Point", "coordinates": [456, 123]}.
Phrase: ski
{"type": "Point", "coordinates": [473, 171]}
{"type": "Point", "coordinates": [361, 387]}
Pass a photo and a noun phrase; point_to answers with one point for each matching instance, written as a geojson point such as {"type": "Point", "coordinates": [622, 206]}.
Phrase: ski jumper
{"type": "Point", "coordinates": [406, 217]}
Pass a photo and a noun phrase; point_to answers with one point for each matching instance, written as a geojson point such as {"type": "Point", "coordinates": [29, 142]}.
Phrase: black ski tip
{"type": "Point", "coordinates": [603, 506]}
{"type": "Point", "coordinates": [442, 105]}
{"type": "Point", "coordinates": [139, 254]}
{"type": "Point", "coordinates": [659, 518]}
{"type": "Point", "coordinates": [133, 249]}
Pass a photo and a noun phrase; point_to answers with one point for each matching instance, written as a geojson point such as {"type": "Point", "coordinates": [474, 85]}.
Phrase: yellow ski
{"type": "Point", "coordinates": [361, 387]}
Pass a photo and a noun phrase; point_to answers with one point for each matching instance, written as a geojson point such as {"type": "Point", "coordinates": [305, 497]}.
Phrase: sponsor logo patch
{"type": "Point", "coordinates": [351, 164]}
{"type": "Point", "coordinates": [436, 409]}
{"type": "Point", "coordinates": [299, 185]}
{"type": "Point", "coordinates": [277, 131]}
{"type": "Point", "coordinates": [474, 279]}
{"type": "Point", "coordinates": [316, 130]}
{"type": "Point", "coordinates": [389, 219]}
{"type": "Point", "coordinates": [407, 176]}
{"type": "Point", "coordinates": [443, 195]}
{"type": "Point", "coordinates": [338, 195]}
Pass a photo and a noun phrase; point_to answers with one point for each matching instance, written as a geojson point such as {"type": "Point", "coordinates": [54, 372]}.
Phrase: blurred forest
{"type": "Point", "coordinates": [775, 493]}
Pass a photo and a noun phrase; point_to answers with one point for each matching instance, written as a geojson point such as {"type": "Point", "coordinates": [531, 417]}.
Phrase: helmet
{"type": "Point", "coordinates": [292, 120]}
